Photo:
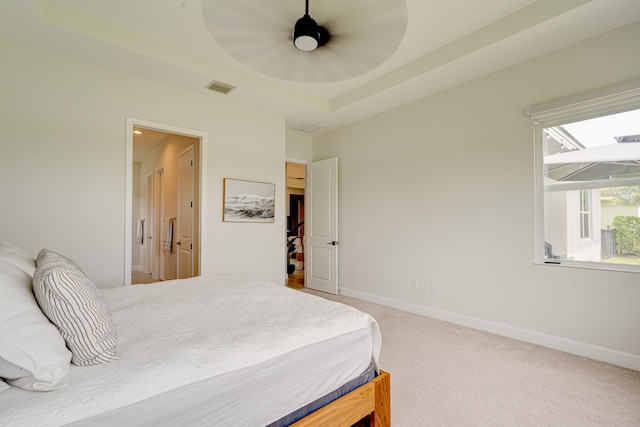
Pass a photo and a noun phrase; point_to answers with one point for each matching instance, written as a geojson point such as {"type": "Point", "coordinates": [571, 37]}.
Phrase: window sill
{"type": "Point", "coordinates": [591, 265]}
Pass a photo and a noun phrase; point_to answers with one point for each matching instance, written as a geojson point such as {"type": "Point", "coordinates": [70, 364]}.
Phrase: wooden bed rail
{"type": "Point", "coordinates": [372, 398]}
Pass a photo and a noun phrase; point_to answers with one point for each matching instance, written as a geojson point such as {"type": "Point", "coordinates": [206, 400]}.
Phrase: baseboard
{"type": "Point", "coordinates": [590, 351]}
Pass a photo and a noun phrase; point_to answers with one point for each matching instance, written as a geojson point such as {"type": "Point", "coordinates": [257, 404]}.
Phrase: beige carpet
{"type": "Point", "coordinates": [448, 375]}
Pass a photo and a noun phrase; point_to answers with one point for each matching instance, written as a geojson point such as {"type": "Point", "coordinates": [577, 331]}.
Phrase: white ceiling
{"type": "Point", "coordinates": [447, 42]}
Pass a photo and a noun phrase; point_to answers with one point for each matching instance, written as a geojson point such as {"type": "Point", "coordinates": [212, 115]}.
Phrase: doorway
{"type": "Point", "coordinates": [166, 175]}
{"type": "Point", "coordinates": [295, 224]}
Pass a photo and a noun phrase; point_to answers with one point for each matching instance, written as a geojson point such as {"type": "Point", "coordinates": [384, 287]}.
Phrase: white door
{"type": "Point", "coordinates": [147, 238]}
{"type": "Point", "coordinates": [321, 226]}
{"type": "Point", "coordinates": [157, 272]}
{"type": "Point", "coordinates": [185, 213]}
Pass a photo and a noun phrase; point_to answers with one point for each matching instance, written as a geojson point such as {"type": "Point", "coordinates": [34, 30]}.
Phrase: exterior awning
{"type": "Point", "coordinates": [603, 162]}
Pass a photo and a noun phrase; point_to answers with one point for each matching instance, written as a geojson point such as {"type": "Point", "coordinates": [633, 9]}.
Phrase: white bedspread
{"type": "Point", "coordinates": [179, 332]}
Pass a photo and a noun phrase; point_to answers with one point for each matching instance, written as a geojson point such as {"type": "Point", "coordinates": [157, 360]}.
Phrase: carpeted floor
{"type": "Point", "coordinates": [448, 375]}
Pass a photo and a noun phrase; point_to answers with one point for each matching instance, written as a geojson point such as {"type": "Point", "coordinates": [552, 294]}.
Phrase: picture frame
{"type": "Point", "coordinates": [248, 201]}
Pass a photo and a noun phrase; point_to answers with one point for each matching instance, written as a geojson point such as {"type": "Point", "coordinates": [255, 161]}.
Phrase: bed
{"type": "Point", "coordinates": [217, 350]}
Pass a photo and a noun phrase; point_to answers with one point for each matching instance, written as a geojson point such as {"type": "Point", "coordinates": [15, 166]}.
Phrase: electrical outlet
{"type": "Point", "coordinates": [414, 283]}
{"type": "Point", "coordinates": [435, 288]}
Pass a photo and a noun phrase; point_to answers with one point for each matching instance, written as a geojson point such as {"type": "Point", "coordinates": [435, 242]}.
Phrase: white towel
{"type": "Point", "coordinates": [168, 225]}
{"type": "Point", "coordinates": [140, 231]}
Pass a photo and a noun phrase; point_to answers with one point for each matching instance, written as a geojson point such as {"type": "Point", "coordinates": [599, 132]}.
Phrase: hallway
{"type": "Point", "coordinates": [139, 278]}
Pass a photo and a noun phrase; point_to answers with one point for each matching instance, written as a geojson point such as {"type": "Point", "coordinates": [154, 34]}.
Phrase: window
{"type": "Point", "coordinates": [585, 211]}
{"type": "Point", "coordinates": [588, 180]}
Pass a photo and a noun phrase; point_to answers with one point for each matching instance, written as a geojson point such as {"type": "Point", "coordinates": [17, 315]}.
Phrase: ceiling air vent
{"type": "Point", "coordinates": [305, 127]}
{"type": "Point", "coordinates": [220, 87]}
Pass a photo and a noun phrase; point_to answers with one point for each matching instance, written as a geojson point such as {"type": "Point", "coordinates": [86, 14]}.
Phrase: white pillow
{"type": "Point", "coordinates": [74, 304]}
{"type": "Point", "coordinates": [18, 257]}
{"type": "Point", "coordinates": [20, 377]}
{"type": "Point", "coordinates": [27, 339]}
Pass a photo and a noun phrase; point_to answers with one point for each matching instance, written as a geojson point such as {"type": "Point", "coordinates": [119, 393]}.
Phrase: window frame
{"type": "Point", "coordinates": [585, 214]}
{"type": "Point", "coordinates": [611, 100]}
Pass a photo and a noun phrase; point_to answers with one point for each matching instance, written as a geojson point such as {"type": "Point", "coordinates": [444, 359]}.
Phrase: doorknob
{"type": "Point", "coordinates": [178, 243]}
{"type": "Point", "coordinates": [333, 243]}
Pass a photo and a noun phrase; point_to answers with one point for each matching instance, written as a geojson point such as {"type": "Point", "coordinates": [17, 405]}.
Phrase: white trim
{"type": "Point", "coordinates": [627, 360]}
{"type": "Point", "coordinates": [590, 185]}
{"type": "Point", "coordinates": [130, 123]}
{"type": "Point", "coordinates": [128, 201]}
{"type": "Point", "coordinates": [538, 196]}
{"type": "Point", "coordinates": [204, 144]}
{"type": "Point", "coordinates": [618, 95]}
{"type": "Point", "coordinates": [293, 160]}
{"type": "Point", "coordinates": [589, 265]}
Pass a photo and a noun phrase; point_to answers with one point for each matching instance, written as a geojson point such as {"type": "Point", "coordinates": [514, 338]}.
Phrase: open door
{"type": "Point", "coordinates": [186, 210]}
{"type": "Point", "coordinates": [322, 226]}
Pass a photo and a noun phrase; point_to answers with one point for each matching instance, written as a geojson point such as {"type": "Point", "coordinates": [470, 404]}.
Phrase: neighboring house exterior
{"type": "Point", "coordinates": [573, 233]}
{"type": "Point", "coordinates": [577, 223]}
{"type": "Point", "coordinates": [572, 217]}
{"type": "Point", "coordinates": [609, 212]}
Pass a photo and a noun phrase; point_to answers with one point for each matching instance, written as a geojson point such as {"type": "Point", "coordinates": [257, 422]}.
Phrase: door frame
{"type": "Point", "coordinates": [132, 122]}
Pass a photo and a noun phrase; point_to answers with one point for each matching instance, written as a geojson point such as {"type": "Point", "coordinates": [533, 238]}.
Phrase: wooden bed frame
{"type": "Point", "coordinates": [372, 398]}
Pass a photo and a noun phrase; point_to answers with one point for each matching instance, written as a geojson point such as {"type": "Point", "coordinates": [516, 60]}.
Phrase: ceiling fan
{"type": "Point", "coordinates": [307, 34]}
{"type": "Point", "coordinates": [335, 40]}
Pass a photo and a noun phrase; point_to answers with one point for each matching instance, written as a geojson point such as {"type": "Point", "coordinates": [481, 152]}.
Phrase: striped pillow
{"type": "Point", "coordinates": [74, 304]}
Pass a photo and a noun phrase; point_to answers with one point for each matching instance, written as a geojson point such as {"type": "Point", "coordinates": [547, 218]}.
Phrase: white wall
{"type": "Point", "coordinates": [441, 191]}
{"type": "Point", "coordinates": [62, 163]}
{"type": "Point", "coordinates": [299, 146]}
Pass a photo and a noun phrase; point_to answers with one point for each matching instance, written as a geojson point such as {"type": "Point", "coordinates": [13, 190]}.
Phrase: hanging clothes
{"type": "Point", "coordinates": [167, 245]}
{"type": "Point", "coordinates": [140, 231]}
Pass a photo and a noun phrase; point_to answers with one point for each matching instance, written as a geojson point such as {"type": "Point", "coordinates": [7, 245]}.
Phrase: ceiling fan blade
{"type": "Point", "coordinates": [258, 34]}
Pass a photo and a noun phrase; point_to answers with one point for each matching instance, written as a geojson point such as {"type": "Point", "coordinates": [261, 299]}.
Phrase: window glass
{"type": "Point", "coordinates": [585, 209]}
{"type": "Point", "coordinates": [591, 181]}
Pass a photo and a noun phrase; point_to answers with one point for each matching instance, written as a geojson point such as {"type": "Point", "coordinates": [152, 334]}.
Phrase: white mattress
{"type": "Point", "coordinates": [217, 350]}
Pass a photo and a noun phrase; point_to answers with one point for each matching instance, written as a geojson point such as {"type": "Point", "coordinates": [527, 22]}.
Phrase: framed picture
{"type": "Point", "coordinates": [248, 201]}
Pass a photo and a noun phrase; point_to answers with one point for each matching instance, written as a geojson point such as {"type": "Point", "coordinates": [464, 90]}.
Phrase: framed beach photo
{"type": "Point", "coordinates": [248, 201]}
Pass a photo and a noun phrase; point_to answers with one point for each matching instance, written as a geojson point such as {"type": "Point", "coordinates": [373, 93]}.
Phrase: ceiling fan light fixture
{"type": "Point", "coordinates": [306, 34]}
